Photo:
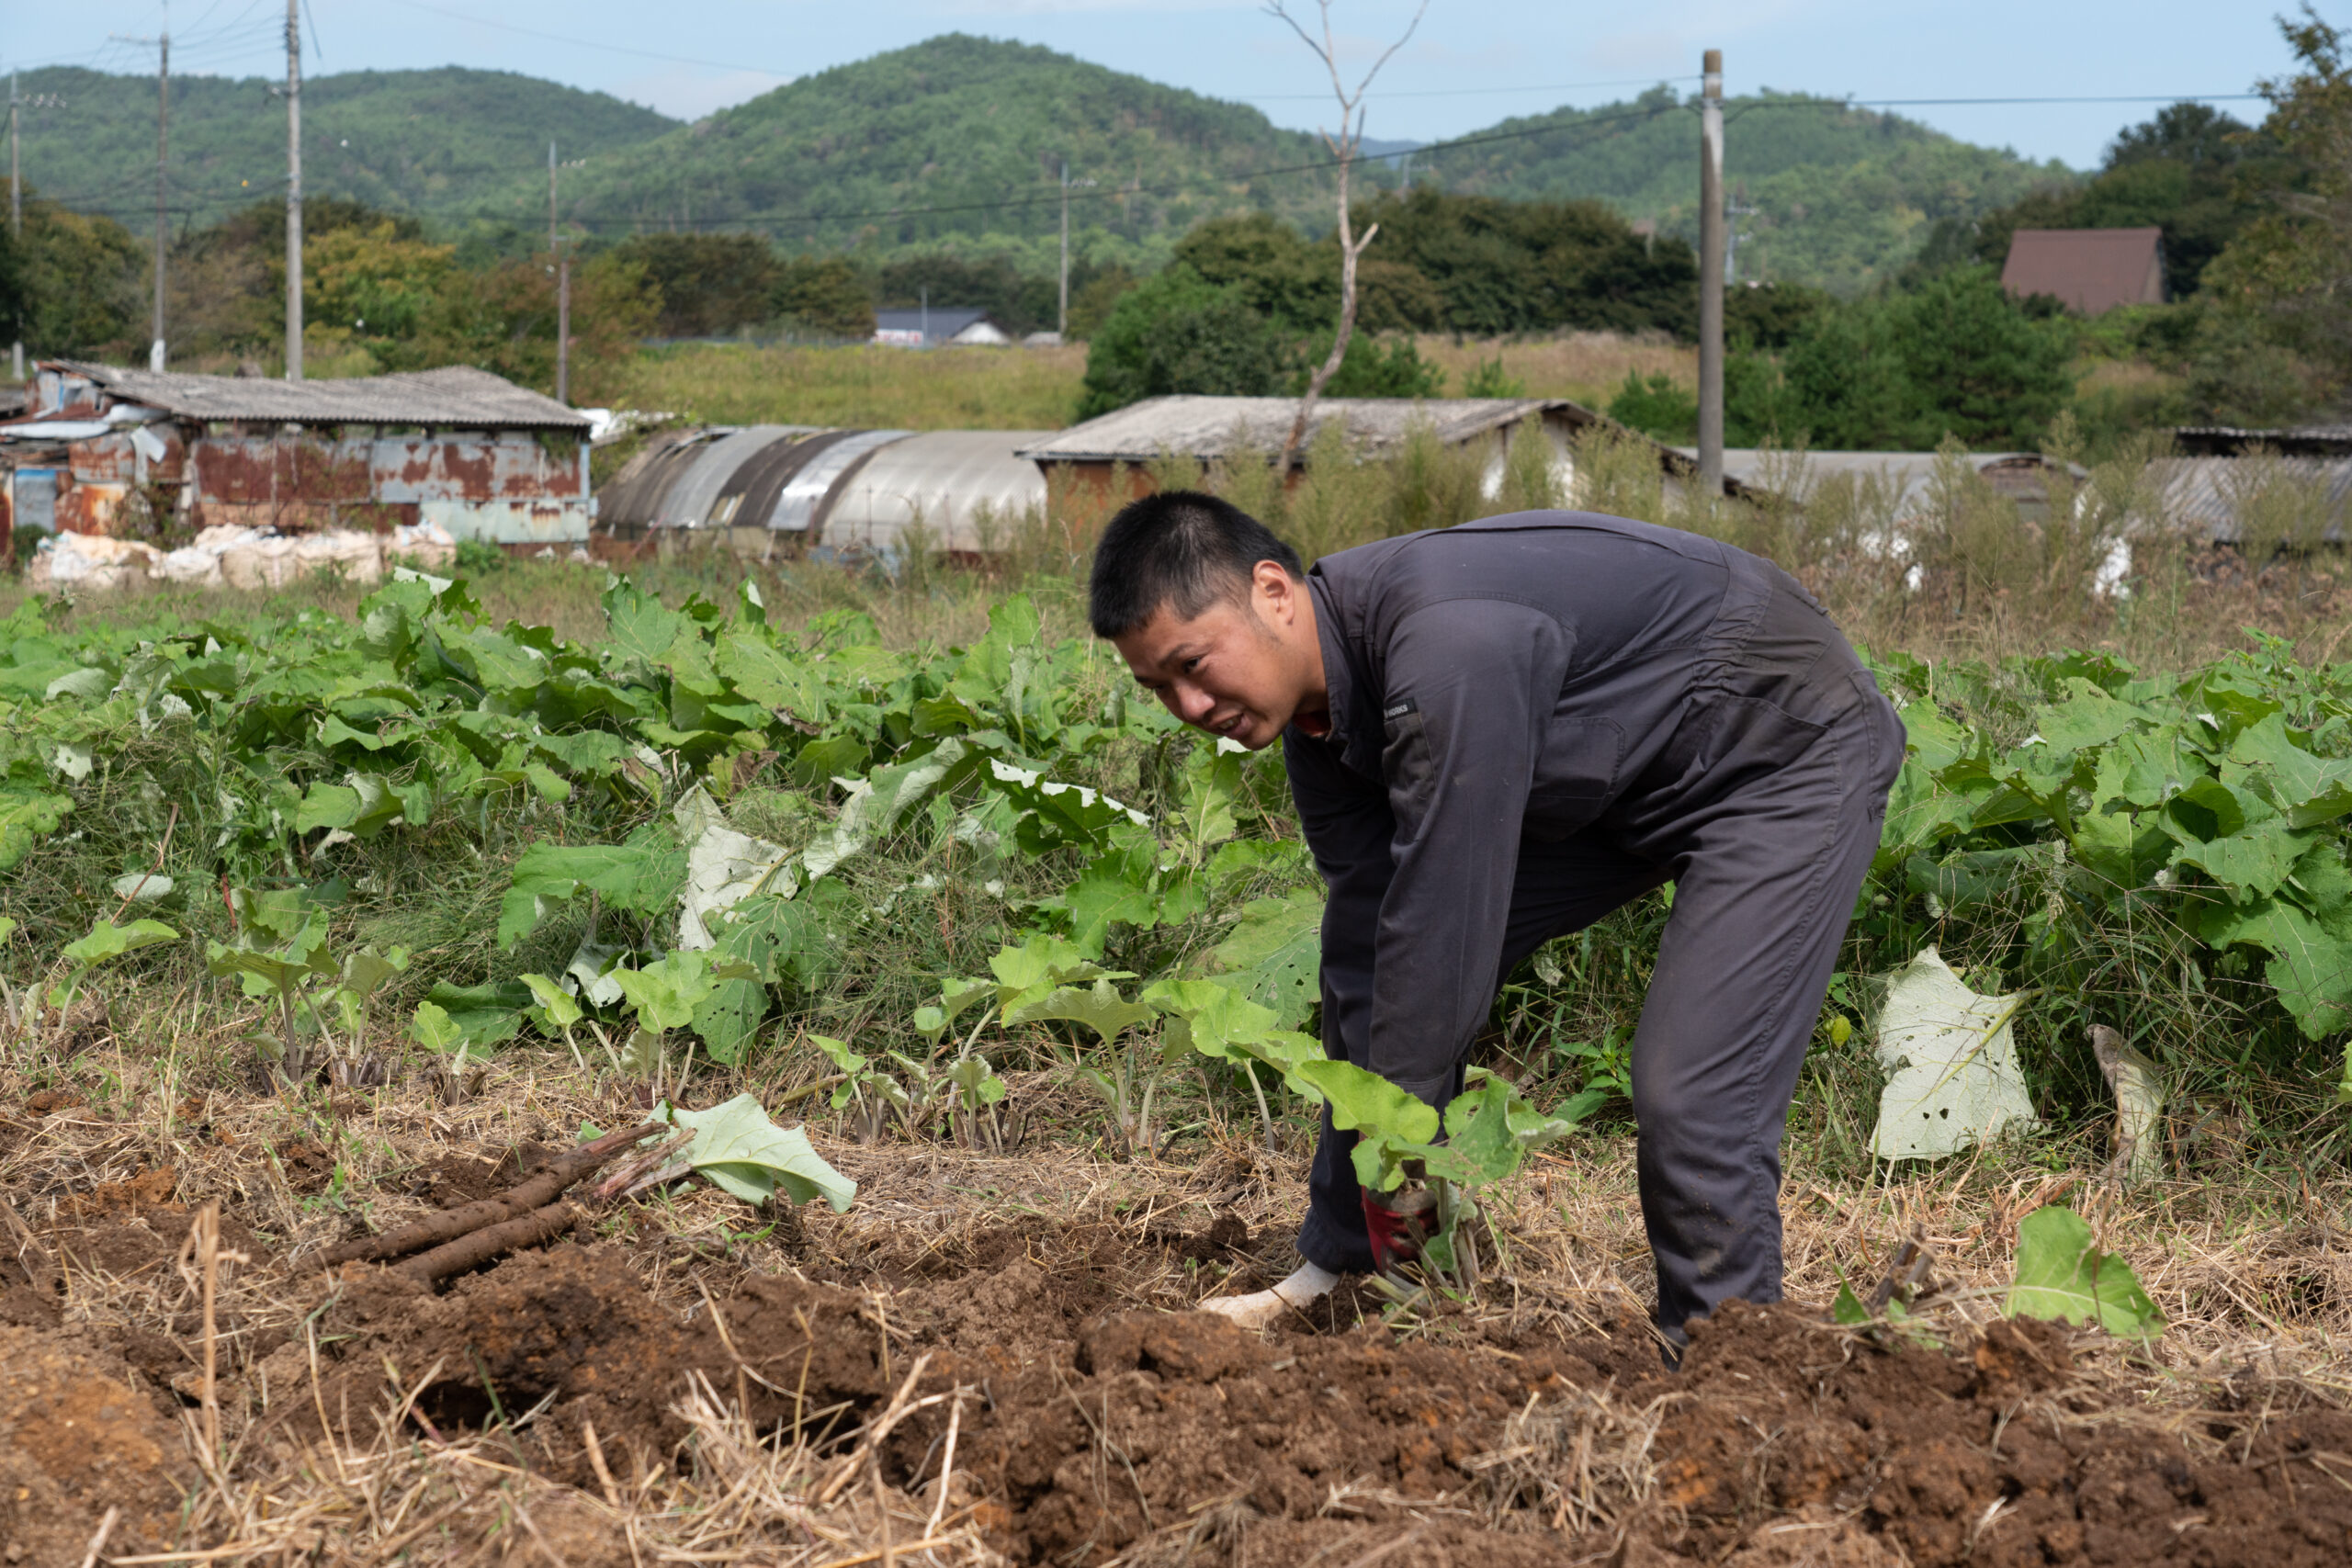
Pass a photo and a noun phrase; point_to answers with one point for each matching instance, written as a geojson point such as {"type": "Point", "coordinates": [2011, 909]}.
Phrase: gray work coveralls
{"type": "Point", "coordinates": [1536, 718]}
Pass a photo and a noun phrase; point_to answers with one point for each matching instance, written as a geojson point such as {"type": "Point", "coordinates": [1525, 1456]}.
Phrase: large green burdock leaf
{"type": "Point", "coordinates": [557, 1008]}
{"type": "Point", "coordinates": [745, 1154]}
{"type": "Point", "coordinates": [25, 817]}
{"type": "Point", "coordinates": [666, 993]}
{"type": "Point", "coordinates": [364, 807]}
{"type": "Point", "coordinates": [107, 940]}
{"type": "Point", "coordinates": [642, 875]}
{"type": "Point", "coordinates": [486, 1015]}
{"type": "Point", "coordinates": [1275, 954]}
{"type": "Point", "coordinates": [1027, 973]}
{"type": "Point", "coordinates": [1366, 1103]}
{"type": "Point", "coordinates": [1099, 1008]}
{"type": "Point", "coordinates": [2064, 1278]}
{"type": "Point", "coordinates": [2310, 960]}
{"type": "Point", "coordinates": [2087, 717]}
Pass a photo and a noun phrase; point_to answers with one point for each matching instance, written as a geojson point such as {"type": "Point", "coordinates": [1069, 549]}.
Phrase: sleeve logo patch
{"type": "Point", "coordinates": [1399, 708]}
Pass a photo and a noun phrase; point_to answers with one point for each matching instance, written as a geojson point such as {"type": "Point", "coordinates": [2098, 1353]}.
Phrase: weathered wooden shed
{"type": "Point", "coordinates": [1111, 453]}
{"type": "Point", "coordinates": [472, 452]}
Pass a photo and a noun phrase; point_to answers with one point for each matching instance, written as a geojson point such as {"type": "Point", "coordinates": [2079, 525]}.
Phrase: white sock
{"type": "Point", "coordinates": [1260, 1308]}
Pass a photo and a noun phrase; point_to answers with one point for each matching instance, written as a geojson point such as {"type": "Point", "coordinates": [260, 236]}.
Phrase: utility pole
{"type": "Point", "coordinates": [1711, 278]}
{"type": "Point", "coordinates": [562, 292]}
{"type": "Point", "coordinates": [293, 190]}
{"type": "Point", "coordinates": [162, 43]}
{"type": "Point", "coordinates": [15, 216]}
{"type": "Point", "coordinates": [1061, 322]}
{"type": "Point", "coordinates": [1736, 209]}
{"type": "Point", "coordinates": [163, 148]}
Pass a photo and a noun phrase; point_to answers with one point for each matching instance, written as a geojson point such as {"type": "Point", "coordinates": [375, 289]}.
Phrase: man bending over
{"type": "Point", "coordinates": [1495, 734]}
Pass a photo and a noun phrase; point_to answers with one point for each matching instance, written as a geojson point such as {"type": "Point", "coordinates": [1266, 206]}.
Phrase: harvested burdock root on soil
{"type": "Point", "coordinates": [477, 1248]}
{"type": "Point", "coordinates": [529, 1202]}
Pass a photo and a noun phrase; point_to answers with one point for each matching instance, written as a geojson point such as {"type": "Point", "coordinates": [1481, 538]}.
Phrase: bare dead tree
{"type": "Point", "coordinates": [1343, 144]}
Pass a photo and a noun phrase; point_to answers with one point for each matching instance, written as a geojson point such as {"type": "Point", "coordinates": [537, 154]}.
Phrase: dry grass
{"type": "Point", "coordinates": [1036, 389]}
{"type": "Point", "coordinates": [946, 388]}
{"type": "Point", "coordinates": [1587, 366]}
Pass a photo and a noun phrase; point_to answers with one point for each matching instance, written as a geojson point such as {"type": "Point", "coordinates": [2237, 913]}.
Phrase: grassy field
{"type": "Point", "coordinates": [1036, 389]}
{"type": "Point", "coordinates": [947, 389]}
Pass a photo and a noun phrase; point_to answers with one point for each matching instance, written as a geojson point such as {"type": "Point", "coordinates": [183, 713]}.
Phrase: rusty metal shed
{"type": "Point", "coordinates": [460, 448]}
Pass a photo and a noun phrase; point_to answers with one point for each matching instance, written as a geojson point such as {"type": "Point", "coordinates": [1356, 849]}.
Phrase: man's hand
{"type": "Point", "coordinates": [1397, 1223]}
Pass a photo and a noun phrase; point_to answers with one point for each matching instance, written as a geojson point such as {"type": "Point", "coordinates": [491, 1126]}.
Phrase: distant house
{"type": "Point", "coordinates": [938, 326]}
{"type": "Point", "coordinates": [2092, 270]}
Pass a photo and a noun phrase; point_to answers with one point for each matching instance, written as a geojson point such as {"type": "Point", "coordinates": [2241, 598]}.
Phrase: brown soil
{"type": "Point", "coordinates": [1783, 1441]}
{"type": "Point", "coordinates": [1090, 1429]}
{"type": "Point", "coordinates": [78, 1436]}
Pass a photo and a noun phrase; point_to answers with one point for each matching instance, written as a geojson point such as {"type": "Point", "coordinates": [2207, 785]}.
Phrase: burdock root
{"type": "Point", "coordinates": [523, 1215]}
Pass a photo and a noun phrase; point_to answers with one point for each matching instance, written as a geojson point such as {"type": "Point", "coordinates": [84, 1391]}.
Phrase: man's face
{"type": "Point", "coordinates": [1240, 671]}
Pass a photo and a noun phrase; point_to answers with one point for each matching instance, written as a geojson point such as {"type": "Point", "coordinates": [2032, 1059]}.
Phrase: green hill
{"type": "Point", "coordinates": [446, 144]}
{"type": "Point", "coordinates": [956, 143]}
{"type": "Point", "coordinates": [1841, 194]}
{"type": "Point", "coordinates": [955, 139]}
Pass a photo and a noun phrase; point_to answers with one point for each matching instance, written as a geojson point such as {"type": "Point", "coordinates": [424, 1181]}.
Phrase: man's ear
{"type": "Point", "coordinates": [1277, 590]}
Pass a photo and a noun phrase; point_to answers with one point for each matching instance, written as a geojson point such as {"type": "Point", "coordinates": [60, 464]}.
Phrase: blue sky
{"type": "Point", "coordinates": [1471, 63]}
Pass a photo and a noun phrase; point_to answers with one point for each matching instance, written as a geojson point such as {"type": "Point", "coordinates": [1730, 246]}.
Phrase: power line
{"type": "Point", "coordinates": [1048, 193]}
{"type": "Point", "coordinates": [588, 43]}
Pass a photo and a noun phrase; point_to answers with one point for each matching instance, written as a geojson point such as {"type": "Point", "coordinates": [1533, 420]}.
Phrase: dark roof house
{"type": "Point", "coordinates": [939, 326]}
{"type": "Point", "coordinates": [2092, 270]}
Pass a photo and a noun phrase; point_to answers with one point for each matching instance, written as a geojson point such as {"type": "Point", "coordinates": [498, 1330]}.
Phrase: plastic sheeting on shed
{"type": "Point", "coordinates": [632, 498]}
{"type": "Point", "coordinates": [949, 481]}
{"type": "Point", "coordinates": [808, 495]}
{"type": "Point", "coordinates": [694, 494]}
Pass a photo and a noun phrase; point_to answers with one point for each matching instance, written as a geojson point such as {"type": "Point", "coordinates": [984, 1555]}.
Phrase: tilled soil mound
{"type": "Point", "coordinates": [1175, 1436]}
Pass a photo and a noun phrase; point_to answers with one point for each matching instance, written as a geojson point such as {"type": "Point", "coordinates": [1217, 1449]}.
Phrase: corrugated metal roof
{"type": "Point", "coordinates": [764, 477]}
{"type": "Point", "coordinates": [1209, 428]}
{"type": "Point", "coordinates": [694, 494]}
{"type": "Point", "coordinates": [2199, 494]}
{"type": "Point", "coordinates": [2297, 441]}
{"type": "Point", "coordinates": [1766, 470]}
{"type": "Point", "coordinates": [2204, 494]}
{"type": "Point", "coordinates": [455, 396]}
{"type": "Point", "coordinates": [632, 498]}
{"type": "Point", "coordinates": [944, 479]}
{"type": "Point", "coordinates": [808, 495]}
{"type": "Point", "coordinates": [2091, 269]}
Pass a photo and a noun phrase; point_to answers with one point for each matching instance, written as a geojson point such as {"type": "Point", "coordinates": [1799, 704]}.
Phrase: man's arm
{"type": "Point", "coordinates": [1470, 687]}
{"type": "Point", "coordinates": [1348, 826]}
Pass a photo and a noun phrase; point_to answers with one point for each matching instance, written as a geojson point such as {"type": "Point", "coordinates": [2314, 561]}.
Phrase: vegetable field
{"type": "Point", "coordinates": [311, 892]}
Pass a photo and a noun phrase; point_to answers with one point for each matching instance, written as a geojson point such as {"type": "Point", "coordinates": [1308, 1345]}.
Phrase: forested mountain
{"type": "Point", "coordinates": [1840, 196]}
{"type": "Point", "coordinates": [445, 144]}
{"type": "Point", "coordinates": [958, 138]}
{"type": "Point", "coordinates": [957, 143]}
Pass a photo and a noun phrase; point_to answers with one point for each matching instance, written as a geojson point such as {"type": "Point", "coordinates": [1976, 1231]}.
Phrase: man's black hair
{"type": "Point", "coordinates": [1181, 548]}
